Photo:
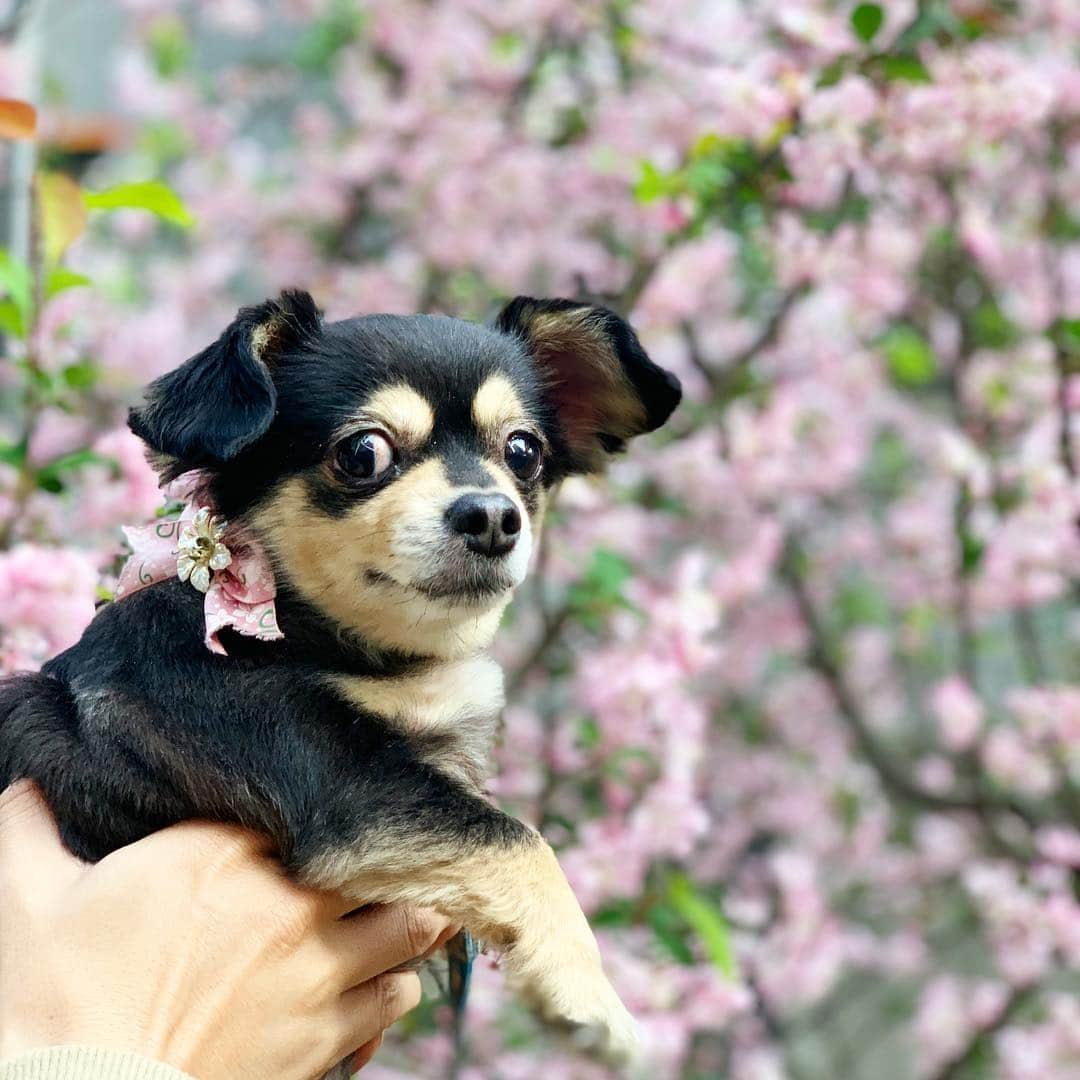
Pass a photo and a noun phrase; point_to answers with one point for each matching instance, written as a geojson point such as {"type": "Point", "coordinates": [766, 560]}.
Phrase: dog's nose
{"type": "Point", "coordinates": [489, 523]}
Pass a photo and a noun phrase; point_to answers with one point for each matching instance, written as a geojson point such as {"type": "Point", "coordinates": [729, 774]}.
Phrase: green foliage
{"type": "Point", "coordinates": [847, 805]}
{"type": "Point", "coordinates": [152, 195]}
{"type": "Point", "coordinates": [891, 467]}
{"type": "Point", "coordinates": [1066, 337]}
{"type": "Point", "coordinates": [991, 328]}
{"type": "Point", "coordinates": [670, 930]}
{"type": "Point", "coordinates": [859, 602]}
{"type": "Point", "coordinates": [17, 285]}
{"type": "Point", "coordinates": [164, 141]}
{"type": "Point", "coordinates": [707, 921]}
{"type": "Point", "coordinates": [506, 44]}
{"type": "Point", "coordinates": [323, 40]}
{"type": "Point", "coordinates": [904, 68]}
{"type": "Point", "coordinates": [972, 549]}
{"type": "Point", "coordinates": [910, 359]}
{"type": "Point", "coordinates": [866, 21]}
{"type": "Point", "coordinates": [82, 375]}
{"type": "Point", "coordinates": [59, 279]}
{"type": "Point", "coordinates": [170, 47]}
{"type": "Point", "coordinates": [600, 590]}
{"type": "Point", "coordinates": [13, 454]}
{"type": "Point", "coordinates": [51, 477]}
{"type": "Point", "coordinates": [720, 176]}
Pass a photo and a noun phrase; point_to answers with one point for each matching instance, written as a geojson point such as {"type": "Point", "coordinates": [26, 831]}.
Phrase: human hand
{"type": "Point", "coordinates": [191, 947]}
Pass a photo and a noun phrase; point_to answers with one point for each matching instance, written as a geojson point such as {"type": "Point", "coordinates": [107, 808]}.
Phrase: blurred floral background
{"type": "Point", "coordinates": [795, 692]}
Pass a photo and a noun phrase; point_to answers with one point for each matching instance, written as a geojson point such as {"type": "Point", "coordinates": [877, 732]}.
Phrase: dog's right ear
{"type": "Point", "coordinates": [222, 400]}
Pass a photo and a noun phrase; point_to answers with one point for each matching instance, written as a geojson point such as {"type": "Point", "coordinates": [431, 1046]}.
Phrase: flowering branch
{"type": "Point", "coordinates": [956, 1065]}
{"type": "Point", "coordinates": [821, 657]}
{"type": "Point", "coordinates": [723, 376]}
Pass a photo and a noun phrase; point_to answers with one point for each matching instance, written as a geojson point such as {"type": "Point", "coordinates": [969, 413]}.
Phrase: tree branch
{"type": "Point", "coordinates": [822, 659]}
{"type": "Point", "coordinates": [955, 1065]}
{"type": "Point", "coordinates": [723, 376]}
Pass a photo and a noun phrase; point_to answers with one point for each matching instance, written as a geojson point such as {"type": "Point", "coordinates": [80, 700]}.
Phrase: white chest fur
{"type": "Point", "coordinates": [451, 706]}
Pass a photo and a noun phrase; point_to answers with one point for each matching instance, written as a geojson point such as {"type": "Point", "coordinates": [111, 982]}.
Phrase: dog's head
{"type": "Point", "coordinates": [396, 467]}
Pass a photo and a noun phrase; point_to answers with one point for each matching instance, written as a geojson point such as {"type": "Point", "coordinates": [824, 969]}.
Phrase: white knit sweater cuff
{"type": "Point", "coordinates": [85, 1063]}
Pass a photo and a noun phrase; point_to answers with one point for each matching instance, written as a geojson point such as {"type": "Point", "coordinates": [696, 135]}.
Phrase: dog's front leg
{"type": "Point", "coordinates": [501, 880]}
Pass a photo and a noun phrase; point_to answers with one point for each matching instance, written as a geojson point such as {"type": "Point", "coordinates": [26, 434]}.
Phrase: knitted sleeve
{"type": "Point", "coordinates": [85, 1063]}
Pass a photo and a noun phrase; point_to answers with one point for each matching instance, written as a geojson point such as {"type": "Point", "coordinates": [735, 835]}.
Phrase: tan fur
{"type": "Point", "coordinates": [517, 899]}
{"type": "Point", "coordinates": [497, 410]}
{"type": "Point", "coordinates": [262, 335]}
{"type": "Point", "coordinates": [399, 534]}
{"type": "Point", "coordinates": [606, 400]}
{"type": "Point", "coordinates": [403, 411]}
{"type": "Point", "coordinates": [457, 702]}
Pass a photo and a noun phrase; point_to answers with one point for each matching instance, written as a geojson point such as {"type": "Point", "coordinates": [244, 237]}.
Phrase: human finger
{"type": "Point", "coordinates": [365, 1012]}
{"type": "Point", "coordinates": [366, 1053]}
{"type": "Point", "coordinates": [381, 938]}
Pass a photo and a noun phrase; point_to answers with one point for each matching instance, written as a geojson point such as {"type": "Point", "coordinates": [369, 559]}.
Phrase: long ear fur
{"type": "Point", "coordinates": [222, 400]}
{"type": "Point", "coordinates": [602, 384]}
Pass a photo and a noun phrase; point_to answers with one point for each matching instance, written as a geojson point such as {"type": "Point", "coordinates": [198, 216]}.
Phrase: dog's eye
{"type": "Point", "coordinates": [365, 456]}
{"type": "Point", "coordinates": [524, 455]}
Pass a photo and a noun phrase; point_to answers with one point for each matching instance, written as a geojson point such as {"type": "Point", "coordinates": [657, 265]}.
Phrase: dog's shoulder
{"type": "Point", "coordinates": [163, 622]}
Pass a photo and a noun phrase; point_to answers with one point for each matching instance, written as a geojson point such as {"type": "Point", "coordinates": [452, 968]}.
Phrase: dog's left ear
{"type": "Point", "coordinates": [222, 400]}
{"type": "Point", "coordinates": [602, 385]}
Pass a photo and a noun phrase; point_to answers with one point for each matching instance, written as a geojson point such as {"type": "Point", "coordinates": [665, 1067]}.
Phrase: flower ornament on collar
{"type": "Point", "coordinates": [236, 579]}
{"type": "Point", "coordinates": [201, 549]}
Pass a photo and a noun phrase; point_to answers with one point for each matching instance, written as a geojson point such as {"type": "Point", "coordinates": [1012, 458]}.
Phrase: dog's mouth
{"type": "Point", "coordinates": [472, 586]}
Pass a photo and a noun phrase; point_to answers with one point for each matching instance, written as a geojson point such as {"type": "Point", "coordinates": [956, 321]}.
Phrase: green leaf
{"type": "Point", "coordinates": [589, 734]}
{"type": "Point", "coordinates": [866, 21]}
{"type": "Point", "coordinates": [616, 913]}
{"type": "Point", "coordinates": [890, 467]}
{"type": "Point", "coordinates": [972, 550]}
{"type": "Point", "coordinates": [60, 279]}
{"type": "Point", "coordinates": [82, 375]}
{"type": "Point", "coordinates": [170, 47]}
{"type": "Point", "coordinates": [50, 476]}
{"type": "Point", "coordinates": [600, 590]}
{"type": "Point", "coordinates": [152, 195]}
{"type": "Point", "coordinates": [11, 320]}
{"type": "Point", "coordinates": [707, 922]}
{"type": "Point", "coordinates": [507, 44]}
{"type": "Point", "coordinates": [909, 357]}
{"type": "Point", "coordinates": [13, 454]}
{"type": "Point", "coordinates": [859, 602]}
{"type": "Point", "coordinates": [669, 928]}
{"type": "Point", "coordinates": [904, 69]}
{"type": "Point", "coordinates": [832, 73]}
{"type": "Point", "coordinates": [18, 283]}
{"type": "Point", "coordinates": [991, 327]}
{"type": "Point", "coordinates": [319, 45]}
{"type": "Point", "coordinates": [651, 185]}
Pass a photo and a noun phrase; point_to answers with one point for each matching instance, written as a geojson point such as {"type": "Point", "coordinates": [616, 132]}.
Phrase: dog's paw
{"type": "Point", "coordinates": [581, 996]}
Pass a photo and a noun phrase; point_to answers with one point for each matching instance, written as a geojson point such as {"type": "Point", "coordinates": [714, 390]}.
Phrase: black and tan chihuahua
{"type": "Point", "coordinates": [395, 470]}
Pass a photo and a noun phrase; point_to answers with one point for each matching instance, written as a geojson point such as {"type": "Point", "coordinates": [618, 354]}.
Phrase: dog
{"type": "Point", "coordinates": [394, 470]}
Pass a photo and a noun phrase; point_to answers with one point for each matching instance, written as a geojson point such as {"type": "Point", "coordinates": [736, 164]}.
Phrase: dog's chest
{"type": "Point", "coordinates": [448, 710]}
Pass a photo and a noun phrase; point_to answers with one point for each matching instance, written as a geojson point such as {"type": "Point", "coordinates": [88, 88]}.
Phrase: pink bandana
{"type": "Point", "coordinates": [237, 579]}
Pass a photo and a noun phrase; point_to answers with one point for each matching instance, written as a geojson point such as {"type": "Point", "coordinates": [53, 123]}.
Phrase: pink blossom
{"type": "Point", "coordinates": [959, 713]}
{"type": "Point", "coordinates": [46, 592]}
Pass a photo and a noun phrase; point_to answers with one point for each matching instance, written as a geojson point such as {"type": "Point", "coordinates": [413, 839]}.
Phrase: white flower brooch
{"type": "Point", "coordinates": [201, 549]}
